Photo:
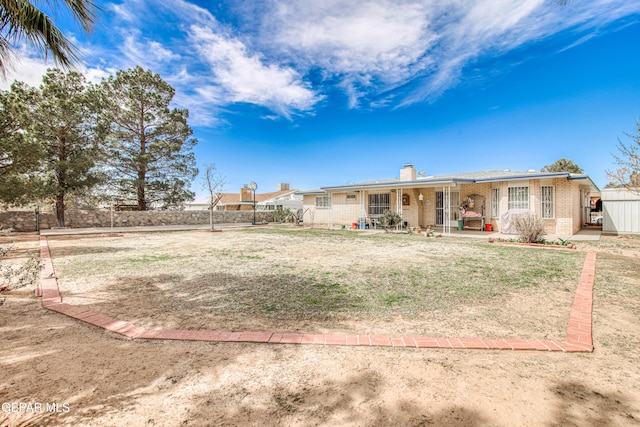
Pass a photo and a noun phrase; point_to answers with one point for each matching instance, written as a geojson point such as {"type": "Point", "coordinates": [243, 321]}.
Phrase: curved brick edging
{"type": "Point", "coordinates": [578, 338]}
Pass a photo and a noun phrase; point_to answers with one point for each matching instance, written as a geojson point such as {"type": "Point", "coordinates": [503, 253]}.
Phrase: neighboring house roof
{"type": "Point", "coordinates": [234, 198]}
{"type": "Point", "coordinates": [284, 196]}
{"type": "Point", "coordinates": [311, 192]}
{"type": "Point", "coordinates": [454, 179]}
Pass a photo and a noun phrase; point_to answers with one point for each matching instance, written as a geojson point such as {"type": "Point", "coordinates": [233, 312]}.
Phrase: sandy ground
{"type": "Point", "coordinates": [248, 281]}
{"type": "Point", "coordinates": [82, 375]}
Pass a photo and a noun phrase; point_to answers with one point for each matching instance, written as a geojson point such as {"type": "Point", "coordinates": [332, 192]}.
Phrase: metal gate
{"type": "Point", "coordinates": [444, 209]}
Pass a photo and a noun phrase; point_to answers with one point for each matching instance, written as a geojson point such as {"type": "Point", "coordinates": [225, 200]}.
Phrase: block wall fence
{"type": "Point", "coordinates": [26, 220]}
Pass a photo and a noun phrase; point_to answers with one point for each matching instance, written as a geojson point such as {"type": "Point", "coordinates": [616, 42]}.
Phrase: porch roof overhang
{"type": "Point", "coordinates": [454, 181]}
{"type": "Point", "coordinates": [392, 185]}
{"type": "Point", "coordinates": [589, 182]}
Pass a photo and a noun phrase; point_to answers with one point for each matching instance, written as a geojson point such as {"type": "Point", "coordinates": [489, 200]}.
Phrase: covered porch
{"type": "Point", "coordinates": [480, 201]}
{"type": "Point", "coordinates": [585, 234]}
{"type": "Point", "coordinates": [446, 206]}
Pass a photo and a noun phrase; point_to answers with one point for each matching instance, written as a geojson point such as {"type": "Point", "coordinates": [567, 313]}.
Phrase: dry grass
{"type": "Point", "coordinates": [319, 281]}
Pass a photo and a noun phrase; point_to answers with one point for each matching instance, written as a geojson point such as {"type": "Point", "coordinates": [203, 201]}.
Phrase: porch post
{"type": "Point", "coordinates": [446, 210]}
{"type": "Point", "coordinates": [399, 208]}
{"type": "Point", "coordinates": [363, 213]}
{"type": "Point", "coordinates": [330, 212]}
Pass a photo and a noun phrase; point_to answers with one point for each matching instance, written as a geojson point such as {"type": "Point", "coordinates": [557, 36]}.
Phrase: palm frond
{"type": "Point", "coordinates": [21, 19]}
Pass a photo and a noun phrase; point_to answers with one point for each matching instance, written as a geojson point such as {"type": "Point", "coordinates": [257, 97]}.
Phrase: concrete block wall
{"type": "Point", "coordinates": [314, 215]}
{"type": "Point", "coordinates": [429, 207]}
{"type": "Point", "coordinates": [567, 201]}
{"type": "Point", "coordinates": [343, 211]}
{"type": "Point", "coordinates": [26, 220]}
{"type": "Point", "coordinates": [413, 212]}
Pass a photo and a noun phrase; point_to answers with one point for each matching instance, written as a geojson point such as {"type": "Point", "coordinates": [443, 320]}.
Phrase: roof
{"type": "Point", "coordinates": [455, 179]}
{"type": "Point", "coordinates": [234, 198]}
{"type": "Point", "coordinates": [311, 192]}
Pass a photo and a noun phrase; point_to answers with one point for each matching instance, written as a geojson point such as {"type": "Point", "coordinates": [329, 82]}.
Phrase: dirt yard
{"type": "Point", "coordinates": [197, 280]}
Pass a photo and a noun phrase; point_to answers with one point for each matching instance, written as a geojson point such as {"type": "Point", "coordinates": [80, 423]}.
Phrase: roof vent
{"type": "Point", "coordinates": [421, 174]}
{"type": "Point", "coordinates": [531, 171]}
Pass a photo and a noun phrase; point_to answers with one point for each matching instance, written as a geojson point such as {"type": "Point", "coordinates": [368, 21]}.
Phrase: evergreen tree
{"type": "Point", "coordinates": [64, 125]}
{"type": "Point", "coordinates": [148, 147]}
{"type": "Point", "coordinates": [563, 165]}
{"type": "Point", "coordinates": [20, 153]}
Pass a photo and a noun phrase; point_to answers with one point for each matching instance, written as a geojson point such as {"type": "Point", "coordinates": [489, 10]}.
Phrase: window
{"type": "Point", "coordinates": [495, 202]}
{"type": "Point", "coordinates": [546, 199]}
{"type": "Point", "coordinates": [379, 203]}
{"type": "Point", "coordinates": [518, 197]}
{"type": "Point", "coordinates": [323, 202]}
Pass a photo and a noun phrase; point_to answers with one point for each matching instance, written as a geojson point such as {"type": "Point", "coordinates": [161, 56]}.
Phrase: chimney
{"type": "Point", "coordinates": [283, 186]}
{"type": "Point", "coordinates": [408, 173]}
{"type": "Point", "coordinates": [246, 194]}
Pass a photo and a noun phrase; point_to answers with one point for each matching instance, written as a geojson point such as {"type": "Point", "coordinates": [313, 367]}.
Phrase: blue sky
{"type": "Point", "coordinates": [325, 93]}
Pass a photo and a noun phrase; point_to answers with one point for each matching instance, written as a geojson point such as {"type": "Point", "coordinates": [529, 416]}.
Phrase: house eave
{"type": "Point", "coordinates": [591, 184]}
{"type": "Point", "coordinates": [391, 185]}
{"type": "Point", "coordinates": [448, 182]}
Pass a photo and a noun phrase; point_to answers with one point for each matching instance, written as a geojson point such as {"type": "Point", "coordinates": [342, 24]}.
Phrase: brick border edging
{"type": "Point", "coordinates": [578, 337]}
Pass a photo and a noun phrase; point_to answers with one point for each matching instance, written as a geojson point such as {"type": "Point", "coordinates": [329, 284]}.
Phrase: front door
{"type": "Point", "coordinates": [454, 203]}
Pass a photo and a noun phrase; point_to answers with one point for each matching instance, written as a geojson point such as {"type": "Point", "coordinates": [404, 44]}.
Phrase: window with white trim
{"type": "Point", "coordinates": [323, 202]}
{"type": "Point", "coordinates": [518, 197]}
{"type": "Point", "coordinates": [495, 202]}
{"type": "Point", "coordinates": [379, 203]}
{"type": "Point", "coordinates": [546, 200]}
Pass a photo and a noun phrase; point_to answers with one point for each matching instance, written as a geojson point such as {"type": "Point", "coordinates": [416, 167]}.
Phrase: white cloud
{"type": "Point", "coordinates": [388, 44]}
{"type": "Point", "coordinates": [26, 69]}
{"type": "Point", "coordinates": [495, 27]}
{"type": "Point", "coordinates": [123, 12]}
{"type": "Point", "coordinates": [285, 55]}
{"type": "Point", "coordinates": [384, 38]}
{"type": "Point", "coordinates": [95, 75]}
{"type": "Point", "coordinates": [145, 52]}
{"type": "Point", "coordinates": [240, 76]}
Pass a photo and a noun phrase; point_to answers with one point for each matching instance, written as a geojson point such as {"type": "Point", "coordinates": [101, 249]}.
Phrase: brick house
{"type": "Point", "coordinates": [481, 200]}
{"type": "Point", "coordinates": [243, 200]}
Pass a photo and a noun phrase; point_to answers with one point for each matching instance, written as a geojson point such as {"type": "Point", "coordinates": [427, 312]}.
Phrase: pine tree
{"type": "Point", "coordinates": [20, 154]}
{"type": "Point", "coordinates": [563, 165]}
{"type": "Point", "coordinates": [148, 147]}
{"type": "Point", "coordinates": [64, 124]}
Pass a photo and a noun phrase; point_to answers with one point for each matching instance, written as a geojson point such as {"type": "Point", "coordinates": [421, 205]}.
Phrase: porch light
{"type": "Point", "coordinates": [420, 197]}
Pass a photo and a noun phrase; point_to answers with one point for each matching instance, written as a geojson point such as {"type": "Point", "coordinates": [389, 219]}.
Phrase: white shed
{"type": "Point", "coordinates": [621, 211]}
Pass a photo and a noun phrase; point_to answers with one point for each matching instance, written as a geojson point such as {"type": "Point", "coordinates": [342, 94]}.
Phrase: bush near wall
{"type": "Point", "coordinates": [26, 220]}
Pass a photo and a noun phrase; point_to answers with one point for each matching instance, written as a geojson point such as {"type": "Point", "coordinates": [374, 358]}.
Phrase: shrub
{"type": "Point", "coordinates": [14, 277]}
{"type": "Point", "coordinates": [530, 228]}
{"type": "Point", "coordinates": [390, 220]}
{"type": "Point", "coordinates": [281, 215]}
